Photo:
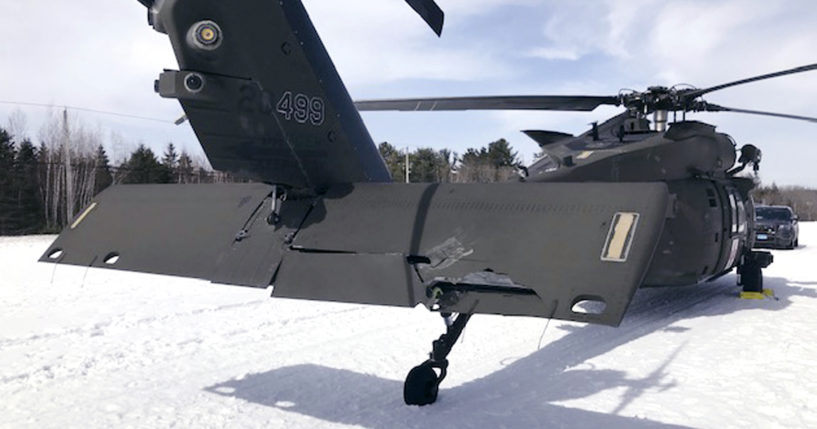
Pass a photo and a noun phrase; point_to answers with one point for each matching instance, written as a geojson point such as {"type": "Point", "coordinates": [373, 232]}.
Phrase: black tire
{"type": "Point", "coordinates": [751, 277]}
{"type": "Point", "coordinates": [421, 386]}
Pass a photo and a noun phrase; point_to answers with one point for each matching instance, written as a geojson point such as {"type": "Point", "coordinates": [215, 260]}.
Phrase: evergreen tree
{"type": "Point", "coordinates": [185, 168]}
{"type": "Point", "coordinates": [203, 176]}
{"type": "Point", "coordinates": [7, 191]}
{"type": "Point", "coordinates": [171, 157]}
{"type": "Point", "coordinates": [395, 161]}
{"type": "Point", "coordinates": [495, 163]}
{"type": "Point", "coordinates": [500, 154]}
{"type": "Point", "coordinates": [474, 167]}
{"type": "Point", "coordinates": [29, 217]}
{"type": "Point", "coordinates": [102, 175]}
{"type": "Point", "coordinates": [143, 167]}
{"type": "Point", "coordinates": [474, 157]}
{"type": "Point", "coordinates": [428, 165]}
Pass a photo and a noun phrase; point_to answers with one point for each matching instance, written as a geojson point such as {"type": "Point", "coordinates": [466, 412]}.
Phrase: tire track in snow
{"type": "Point", "coordinates": [125, 375]}
{"type": "Point", "coordinates": [269, 329]}
{"type": "Point", "coordinates": [121, 320]}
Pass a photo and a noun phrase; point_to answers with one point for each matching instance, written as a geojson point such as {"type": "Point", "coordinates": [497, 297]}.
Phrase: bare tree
{"type": "Point", "coordinates": [67, 167]}
{"type": "Point", "coordinates": [18, 125]}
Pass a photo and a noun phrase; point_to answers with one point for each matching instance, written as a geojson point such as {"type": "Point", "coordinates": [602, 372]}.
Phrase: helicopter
{"type": "Point", "coordinates": [630, 203]}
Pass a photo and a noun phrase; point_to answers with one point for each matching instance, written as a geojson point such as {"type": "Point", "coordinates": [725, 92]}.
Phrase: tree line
{"type": "Point", "coordinates": [802, 200]}
{"type": "Point", "coordinates": [497, 162]}
{"type": "Point", "coordinates": [43, 187]}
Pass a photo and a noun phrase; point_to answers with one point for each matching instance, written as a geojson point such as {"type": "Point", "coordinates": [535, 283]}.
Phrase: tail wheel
{"type": "Point", "coordinates": [421, 386]}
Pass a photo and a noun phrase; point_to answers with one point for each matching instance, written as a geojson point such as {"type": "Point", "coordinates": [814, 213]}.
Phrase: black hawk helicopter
{"type": "Point", "coordinates": [627, 204]}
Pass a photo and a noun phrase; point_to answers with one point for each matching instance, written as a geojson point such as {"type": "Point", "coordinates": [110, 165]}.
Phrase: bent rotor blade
{"type": "Point", "coordinates": [699, 92]}
{"type": "Point", "coordinates": [717, 108]}
{"type": "Point", "coordinates": [522, 102]}
{"type": "Point", "coordinates": [430, 12]}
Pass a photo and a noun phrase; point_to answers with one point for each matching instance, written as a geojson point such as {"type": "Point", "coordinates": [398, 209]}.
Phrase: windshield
{"type": "Point", "coordinates": [772, 213]}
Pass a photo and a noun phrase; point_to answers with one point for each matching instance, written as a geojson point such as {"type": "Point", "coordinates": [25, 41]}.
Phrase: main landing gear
{"type": "Point", "coordinates": [423, 382]}
{"type": "Point", "coordinates": [751, 270]}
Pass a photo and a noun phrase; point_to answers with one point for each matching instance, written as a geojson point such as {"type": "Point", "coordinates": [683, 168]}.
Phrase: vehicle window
{"type": "Point", "coordinates": [772, 213]}
{"type": "Point", "coordinates": [544, 163]}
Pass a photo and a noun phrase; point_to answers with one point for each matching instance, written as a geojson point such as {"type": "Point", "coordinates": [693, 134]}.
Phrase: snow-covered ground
{"type": "Point", "coordinates": [100, 348]}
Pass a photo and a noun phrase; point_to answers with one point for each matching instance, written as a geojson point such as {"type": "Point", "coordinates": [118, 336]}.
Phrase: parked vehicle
{"type": "Point", "coordinates": [776, 226]}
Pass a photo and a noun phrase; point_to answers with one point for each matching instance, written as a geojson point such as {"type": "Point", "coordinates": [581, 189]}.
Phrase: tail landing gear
{"type": "Point", "coordinates": [423, 383]}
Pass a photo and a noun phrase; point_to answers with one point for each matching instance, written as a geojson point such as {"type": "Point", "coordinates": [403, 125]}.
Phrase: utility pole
{"type": "Point", "coordinates": [69, 176]}
{"type": "Point", "coordinates": [407, 164]}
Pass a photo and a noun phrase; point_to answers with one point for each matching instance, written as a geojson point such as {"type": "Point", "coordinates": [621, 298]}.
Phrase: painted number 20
{"type": "Point", "coordinates": [301, 108]}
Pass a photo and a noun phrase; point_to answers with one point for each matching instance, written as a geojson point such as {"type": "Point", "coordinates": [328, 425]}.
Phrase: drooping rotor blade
{"type": "Point", "coordinates": [716, 108]}
{"type": "Point", "coordinates": [427, 9]}
{"type": "Point", "coordinates": [430, 12]}
{"type": "Point", "coordinates": [699, 92]}
{"type": "Point", "coordinates": [521, 102]}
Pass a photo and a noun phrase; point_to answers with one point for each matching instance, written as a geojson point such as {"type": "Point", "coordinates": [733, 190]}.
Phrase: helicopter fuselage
{"type": "Point", "coordinates": [710, 215]}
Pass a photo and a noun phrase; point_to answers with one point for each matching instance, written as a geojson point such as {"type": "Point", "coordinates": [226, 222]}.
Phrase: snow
{"type": "Point", "coordinates": [101, 348]}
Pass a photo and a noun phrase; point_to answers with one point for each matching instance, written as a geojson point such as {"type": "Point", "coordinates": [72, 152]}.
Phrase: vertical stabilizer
{"type": "Point", "coordinates": [262, 94]}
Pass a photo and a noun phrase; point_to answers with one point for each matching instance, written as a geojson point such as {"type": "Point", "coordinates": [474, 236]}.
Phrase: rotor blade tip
{"type": "Point", "coordinates": [431, 14]}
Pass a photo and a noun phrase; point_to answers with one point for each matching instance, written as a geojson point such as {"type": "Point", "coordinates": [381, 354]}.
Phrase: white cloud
{"type": "Point", "coordinates": [578, 28]}
{"type": "Point", "coordinates": [385, 41]}
{"type": "Point", "coordinates": [101, 54]}
{"type": "Point", "coordinates": [554, 53]}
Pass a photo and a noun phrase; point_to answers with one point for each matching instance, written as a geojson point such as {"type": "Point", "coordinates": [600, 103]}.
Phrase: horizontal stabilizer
{"type": "Point", "coordinates": [180, 230]}
{"type": "Point", "coordinates": [537, 249]}
{"type": "Point", "coordinates": [554, 245]}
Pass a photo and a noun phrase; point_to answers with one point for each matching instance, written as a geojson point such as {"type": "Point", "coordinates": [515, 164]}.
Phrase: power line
{"type": "Point", "coordinates": [84, 109]}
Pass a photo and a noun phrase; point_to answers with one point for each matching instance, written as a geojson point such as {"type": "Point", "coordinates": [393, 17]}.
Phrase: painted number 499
{"type": "Point", "coordinates": [301, 108]}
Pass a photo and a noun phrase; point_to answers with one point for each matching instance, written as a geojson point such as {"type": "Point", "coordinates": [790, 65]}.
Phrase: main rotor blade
{"type": "Point", "coordinates": [699, 92]}
{"type": "Point", "coordinates": [430, 12]}
{"type": "Point", "coordinates": [521, 102]}
{"type": "Point", "coordinates": [716, 108]}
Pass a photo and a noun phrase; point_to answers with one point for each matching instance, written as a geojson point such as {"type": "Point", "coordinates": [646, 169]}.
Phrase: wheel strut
{"type": "Point", "coordinates": [423, 382]}
{"type": "Point", "coordinates": [751, 270]}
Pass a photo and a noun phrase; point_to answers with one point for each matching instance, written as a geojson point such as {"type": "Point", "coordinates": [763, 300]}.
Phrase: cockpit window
{"type": "Point", "coordinates": [772, 213]}
{"type": "Point", "coordinates": [544, 163]}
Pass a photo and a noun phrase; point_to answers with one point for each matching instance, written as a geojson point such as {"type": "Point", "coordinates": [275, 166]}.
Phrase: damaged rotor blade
{"type": "Point", "coordinates": [717, 108]}
{"type": "Point", "coordinates": [430, 12]}
{"type": "Point", "coordinates": [522, 102]}
{"type": "Point", "coordinates": [699, 92]}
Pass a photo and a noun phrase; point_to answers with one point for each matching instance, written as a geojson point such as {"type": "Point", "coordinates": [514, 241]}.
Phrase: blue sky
{"type": "Point", "coordinates": [102, 55]}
